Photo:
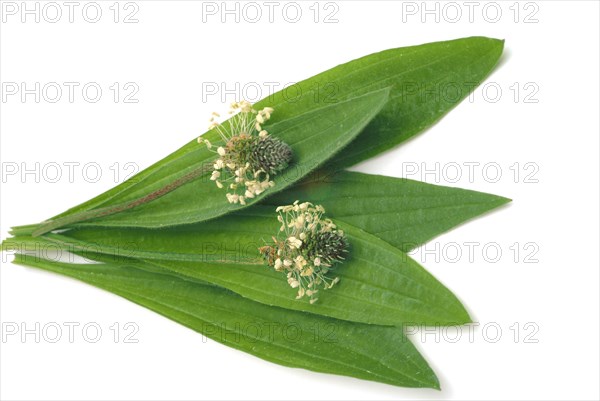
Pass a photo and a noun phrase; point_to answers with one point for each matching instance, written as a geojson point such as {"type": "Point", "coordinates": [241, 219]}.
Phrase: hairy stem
{"type": "Point", "coordinates": [110, 210]}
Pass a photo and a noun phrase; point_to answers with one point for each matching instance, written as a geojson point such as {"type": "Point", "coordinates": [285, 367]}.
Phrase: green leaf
{"type": "Point", "coordinates": [413, 73]}
{"type": "Point", "coordinates": [379, 283]}
{"type": "Point", "coordinates": [315, 136]}
{"type": "Point", "coordinates": [427, 82]}
{"type": "Point", "coordinates": [369, 352]}
{"type": "Point", "coordinates": [402, 212]}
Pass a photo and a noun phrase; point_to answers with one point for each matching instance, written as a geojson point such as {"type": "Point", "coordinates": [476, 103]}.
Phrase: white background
{"type": "Point", "coordinates": [171, 54]}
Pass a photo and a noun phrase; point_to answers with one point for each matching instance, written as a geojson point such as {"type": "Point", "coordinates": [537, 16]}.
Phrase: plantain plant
{"type": "Point", "coordinates": [257, 221]}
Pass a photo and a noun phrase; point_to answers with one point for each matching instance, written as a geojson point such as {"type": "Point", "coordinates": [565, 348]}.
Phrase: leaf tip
{"type": "Point", "coordinates": [458, 315]}
{"type": "Point", "coordinates": [431, 380]}
{"type": "Point", "coordinates": [464, 317]}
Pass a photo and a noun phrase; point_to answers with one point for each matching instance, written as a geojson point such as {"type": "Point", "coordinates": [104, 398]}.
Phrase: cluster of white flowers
{"type": "Point", "coordinates": [311, 245]}
{"type": "Point", "coordinates": [238, 166]}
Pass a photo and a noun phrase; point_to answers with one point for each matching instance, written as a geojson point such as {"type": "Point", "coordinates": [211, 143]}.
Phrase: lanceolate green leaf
{"type": "Point", "coordinates": [402, 212]}
{"type": "Point", "coordinates": [426, 82]}
{"type": "Point", "coordinates": [369, 352]}
{"type": "Point", "coordinates": [379, 283]}
{"type": "Point", "coordinates": [314, 136]}
{"type": "Point", "coordinates": [448, 70]}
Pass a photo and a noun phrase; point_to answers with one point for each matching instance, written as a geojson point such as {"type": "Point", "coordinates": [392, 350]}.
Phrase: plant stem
{"type": "Point", "coordinates": [110, 210]}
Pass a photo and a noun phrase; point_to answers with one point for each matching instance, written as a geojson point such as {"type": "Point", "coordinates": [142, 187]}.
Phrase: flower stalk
{"type": "Point", "coordinates": [51, 225]}
{"type": "Point", "coordinates": [246, 162]}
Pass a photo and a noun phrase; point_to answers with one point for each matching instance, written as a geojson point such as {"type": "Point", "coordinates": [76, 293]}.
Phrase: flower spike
{"type": "Point", "coordinates": [249, 156]}
{"type": "Point", "coordinates": [310, 246]}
